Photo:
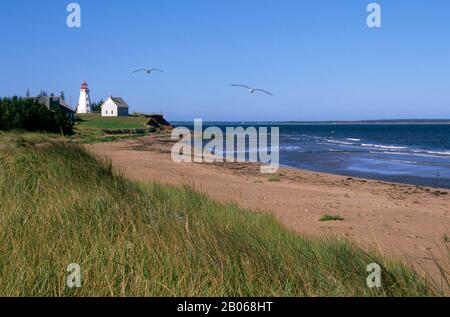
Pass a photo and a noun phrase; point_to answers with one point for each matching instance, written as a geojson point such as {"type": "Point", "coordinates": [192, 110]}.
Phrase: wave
{"type": "Point", "coordinates": [290, 148]}
{"type": "Point", "coordinates": [389, 147]}
{"type": "Point", "coordinates": [430, 155]}
{"type": "Point", "coordinates": [427, 153]}
{"type": "Point", "coordinates": [447, 153]}
{"type": "Point", "coordinates": [340, 142]}
{"type": "Point", "coordinates": [355, 140]}
{"type": "Point", "coordinates": [405, 162]}
{"type": "Point", "coordinates": [396, 153]}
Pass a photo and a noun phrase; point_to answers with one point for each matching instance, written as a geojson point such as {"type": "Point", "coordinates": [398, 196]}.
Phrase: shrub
{"type": "Point", "coordinates": [274, 178]}
{"type": "Point", "coordinates": [331, 218]}
{"type": "Point", "coordinates": [17, 113]}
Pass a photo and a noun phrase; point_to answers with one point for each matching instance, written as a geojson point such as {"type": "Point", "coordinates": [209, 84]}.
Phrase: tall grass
{"type": "Point", "coordinates": [59, 205]}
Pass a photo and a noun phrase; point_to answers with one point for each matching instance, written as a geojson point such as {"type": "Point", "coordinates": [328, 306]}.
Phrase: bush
{"type": "Point", "coordinates": [17, 113]}
{"type": "Point", "coordinates": [331, 218]}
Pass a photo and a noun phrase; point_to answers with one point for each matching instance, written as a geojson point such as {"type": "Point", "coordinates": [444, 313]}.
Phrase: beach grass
{"type": "Point", "coordinates": [60, 205]}
{"type": "Point", "coordinates": [25, 138]}
{"type": "Point", "coordinates": [331, 218]}
{"type": "Point", "coordinates": [274, 178]}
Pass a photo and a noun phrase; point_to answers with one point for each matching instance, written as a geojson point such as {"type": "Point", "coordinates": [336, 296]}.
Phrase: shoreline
{"type": "Point", "coordinates": [399, 221]}
{"type": "Point", "coordinates": [415, 181]}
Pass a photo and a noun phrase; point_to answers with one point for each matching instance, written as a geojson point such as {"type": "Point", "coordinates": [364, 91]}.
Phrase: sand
{"type": "Point", "coordinates": [400, 222]}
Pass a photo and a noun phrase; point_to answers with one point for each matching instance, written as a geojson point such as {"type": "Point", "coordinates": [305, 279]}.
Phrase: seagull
{"type": "Point", "coordinates": [148, 71]}
{"type": "Point", "coordinates": [253, 90]}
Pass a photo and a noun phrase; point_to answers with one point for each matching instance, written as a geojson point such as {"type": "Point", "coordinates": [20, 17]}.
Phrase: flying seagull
{"type": "Point", "coordinates": [148, 71]}
{"type": "Point", "coordinates": [253, 90]}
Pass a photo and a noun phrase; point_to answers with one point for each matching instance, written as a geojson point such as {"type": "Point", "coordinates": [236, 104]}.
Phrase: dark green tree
{"type": "Point", "coordinates": [26, 114]}
{"type": "Point", "coordinates": [97, 106]}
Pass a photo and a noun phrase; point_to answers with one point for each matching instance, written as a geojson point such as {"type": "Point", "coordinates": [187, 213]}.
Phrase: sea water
{"type": "Point", "coordinates": [416, 154]}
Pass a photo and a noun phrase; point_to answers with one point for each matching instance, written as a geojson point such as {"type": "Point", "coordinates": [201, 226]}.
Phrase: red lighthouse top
{"type": "Point", "coordinates": [84, 86]}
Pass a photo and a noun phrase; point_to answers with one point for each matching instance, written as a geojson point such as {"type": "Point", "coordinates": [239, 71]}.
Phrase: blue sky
{"type": "Point", "coordinates": [318, 56]}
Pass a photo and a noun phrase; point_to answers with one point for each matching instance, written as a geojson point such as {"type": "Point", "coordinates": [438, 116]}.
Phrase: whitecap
{"type": "Point", "coordinates": [378, 146]}
{"type": "Point", "coordinates": [339, 142]}
{"type": "Point", "coordinates": [354, 140]}
{"type": "Point", "coordinates": [396, 153]}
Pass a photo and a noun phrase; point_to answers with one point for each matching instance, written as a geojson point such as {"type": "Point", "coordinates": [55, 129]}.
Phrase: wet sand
{"type": "Point", "coordinates": [404, 222]}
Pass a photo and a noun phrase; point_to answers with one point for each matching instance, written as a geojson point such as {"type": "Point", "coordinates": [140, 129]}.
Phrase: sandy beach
{"type": "Point", "coordinates": [404, 222]}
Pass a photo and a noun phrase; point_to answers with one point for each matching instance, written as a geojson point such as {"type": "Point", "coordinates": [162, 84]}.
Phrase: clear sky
{"type": "Point", "coordinates": [318, 57]}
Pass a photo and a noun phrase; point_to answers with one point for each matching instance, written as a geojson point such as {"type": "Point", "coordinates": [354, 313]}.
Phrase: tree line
{"type": "Point", "coordinates": [26, 114]}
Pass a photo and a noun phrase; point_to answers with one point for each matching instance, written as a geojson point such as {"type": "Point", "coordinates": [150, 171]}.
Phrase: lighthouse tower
{"type": "Point", "coordinates": [84, 103]}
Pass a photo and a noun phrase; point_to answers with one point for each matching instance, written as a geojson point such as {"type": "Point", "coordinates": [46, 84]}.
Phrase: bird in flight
{"type": "Point", "coordinates": [253, 90]}
{"type": "Point", "coordinates": [148, 71]}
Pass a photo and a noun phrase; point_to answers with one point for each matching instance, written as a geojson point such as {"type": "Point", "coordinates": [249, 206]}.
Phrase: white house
{"type": "Point", "coordinates": [115, 107]}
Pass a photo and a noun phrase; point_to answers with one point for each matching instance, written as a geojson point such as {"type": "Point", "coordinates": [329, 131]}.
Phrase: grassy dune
{"type": "Point", "coordinates": [59, 205]}
{"type": "Point", "coordinates": [25, 138]}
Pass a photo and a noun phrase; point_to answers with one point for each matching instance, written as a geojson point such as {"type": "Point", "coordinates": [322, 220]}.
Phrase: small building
{"type": "Point", "coordinates": [115, 107]}
{"type": "Point", "coordinates": [54, 103]}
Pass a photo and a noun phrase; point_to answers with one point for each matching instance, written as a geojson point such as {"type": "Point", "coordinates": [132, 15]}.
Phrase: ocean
{"type": "Point", "coordinates": [417, 154]}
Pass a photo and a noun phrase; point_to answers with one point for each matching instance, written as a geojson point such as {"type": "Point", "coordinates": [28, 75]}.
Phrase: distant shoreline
{"type": "Point", "coordinates": [369, 122]}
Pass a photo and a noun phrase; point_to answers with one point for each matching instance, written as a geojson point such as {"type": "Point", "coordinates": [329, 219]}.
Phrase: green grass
{"type": "Point", "coordinates": [90, 129]}
{"type": "Point", "coordinates": [331, 218]}
{"type": "Point", "coordinates": [95, 121]}
{"type": "Point", "coordinates": [59, 205]}
{"type": "Point", "coordinates": [25, 138]}
{"type": "Point", "coordinates": [274, 178]}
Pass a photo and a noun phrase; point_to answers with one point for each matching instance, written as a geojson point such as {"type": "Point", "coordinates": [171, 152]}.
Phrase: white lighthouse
{"type": "Point", "coordinates": [84, 103]}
